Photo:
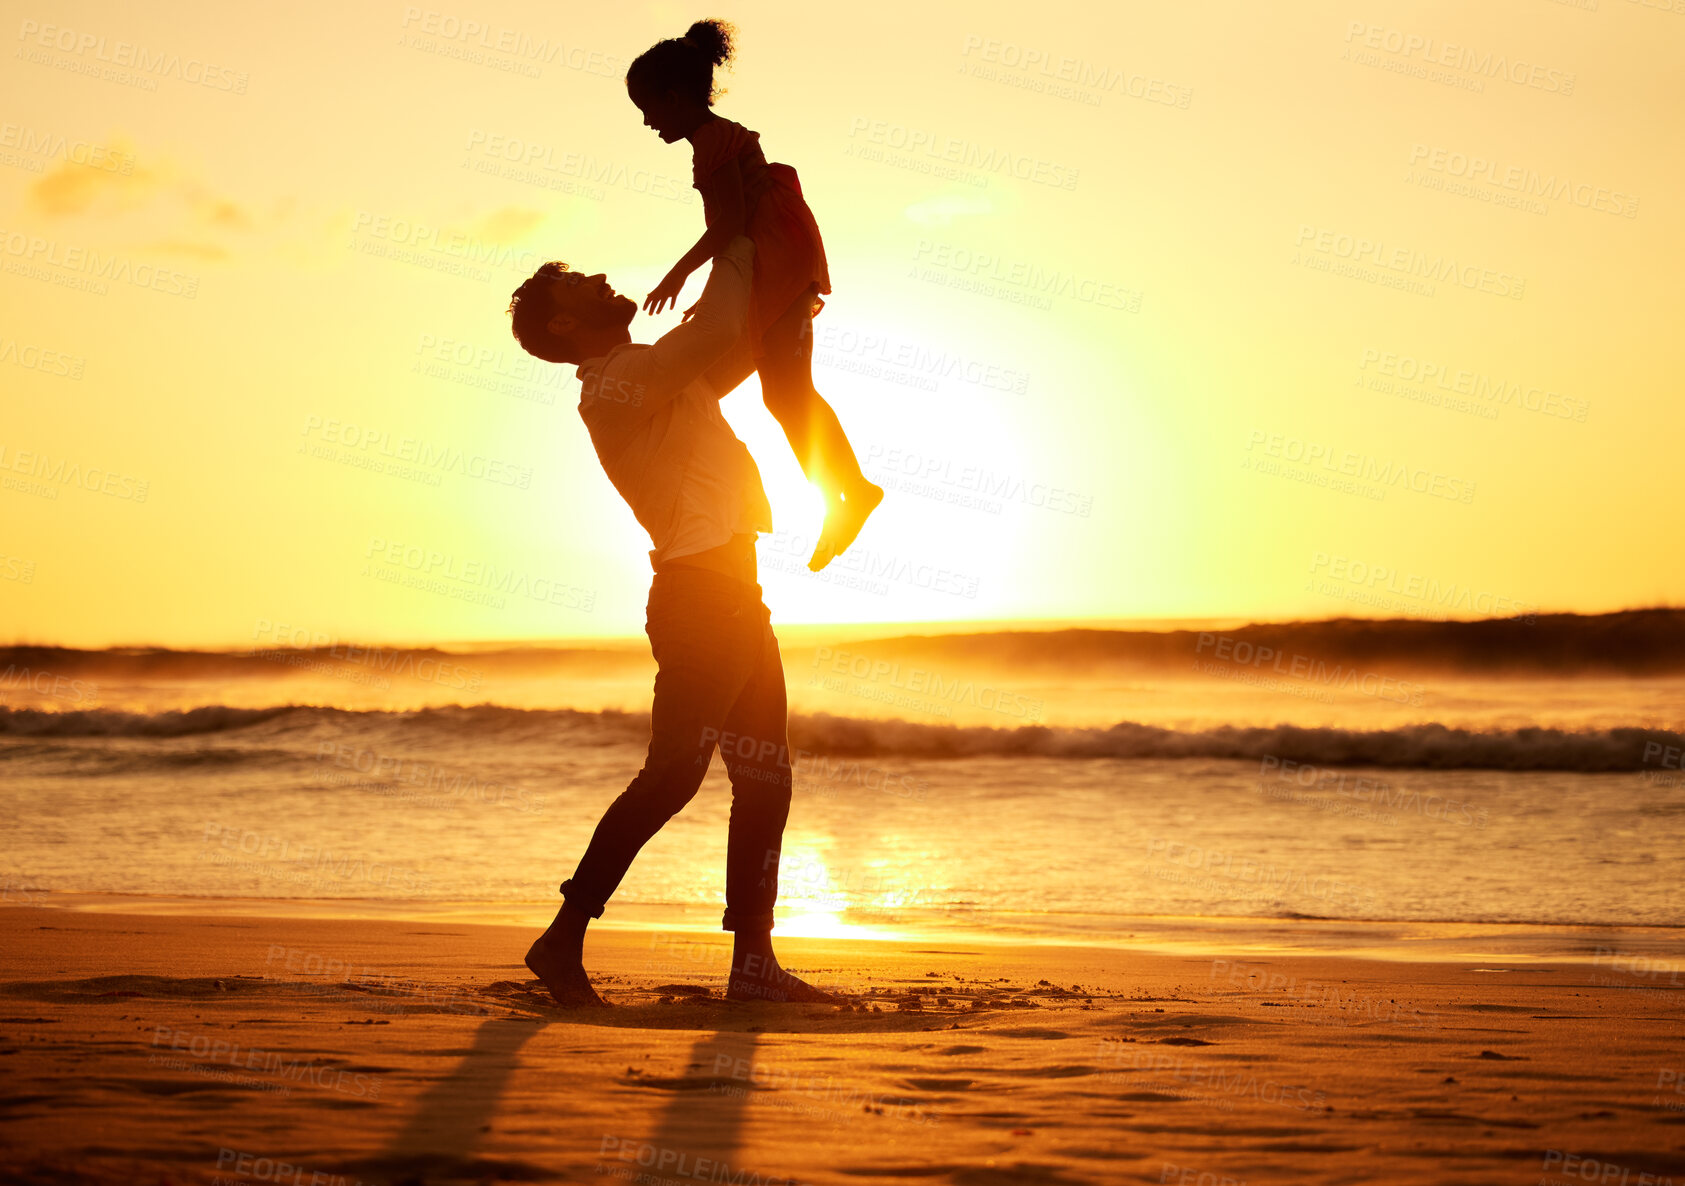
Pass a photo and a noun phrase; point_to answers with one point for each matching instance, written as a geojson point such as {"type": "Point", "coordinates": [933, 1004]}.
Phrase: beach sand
{"type": "Point", "coordinates": [150, 1049]}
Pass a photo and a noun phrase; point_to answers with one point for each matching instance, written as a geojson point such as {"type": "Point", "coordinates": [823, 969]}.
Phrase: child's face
{"type": "Point", "coordinates": [669, 116]}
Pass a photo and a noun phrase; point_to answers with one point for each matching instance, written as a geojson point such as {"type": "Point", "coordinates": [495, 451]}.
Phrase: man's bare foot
{"type": "Point", "coordinates": [845, 515]}
{"type": "Point", "coordinates": [563, 973]}
{"type": "Point", "coordinates": [759, 978]}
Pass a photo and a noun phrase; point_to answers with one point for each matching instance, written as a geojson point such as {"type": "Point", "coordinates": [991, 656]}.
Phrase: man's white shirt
{"type": "Point", "coordinates": [656, 425]}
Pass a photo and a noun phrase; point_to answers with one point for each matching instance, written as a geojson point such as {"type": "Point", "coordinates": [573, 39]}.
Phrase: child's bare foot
{"type": "Point", "coordinates": [563, 973]}
{"type": "Point", "coordinates": [845, 515]}
{"type": "Point", "coordinates": [759, 978]}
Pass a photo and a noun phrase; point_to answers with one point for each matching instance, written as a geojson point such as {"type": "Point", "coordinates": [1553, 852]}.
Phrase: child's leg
{"type": "Point", "coordinates": [810, 424]}
{"type": "Point", "coordinates": [814, 432]}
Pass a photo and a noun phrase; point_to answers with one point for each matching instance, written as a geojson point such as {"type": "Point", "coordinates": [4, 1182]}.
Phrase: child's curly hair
{"type": "Point", "coordinates": [685, 64]}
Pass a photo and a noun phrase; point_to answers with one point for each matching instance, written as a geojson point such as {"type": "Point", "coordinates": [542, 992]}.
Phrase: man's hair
{"type": "Point", "coordinates": [530, 311]}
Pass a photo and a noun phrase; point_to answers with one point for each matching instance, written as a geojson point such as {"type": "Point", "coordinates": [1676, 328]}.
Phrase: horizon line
{"type": "Point", "coordinates": [1146, 624]}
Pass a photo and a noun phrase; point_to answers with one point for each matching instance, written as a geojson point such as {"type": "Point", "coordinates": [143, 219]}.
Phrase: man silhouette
{"type": "Point", "coordinates": [654, 418]}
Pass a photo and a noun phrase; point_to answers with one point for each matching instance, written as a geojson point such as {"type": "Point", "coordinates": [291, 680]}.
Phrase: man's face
{"type": "Point", "coordinates": [591, 301]}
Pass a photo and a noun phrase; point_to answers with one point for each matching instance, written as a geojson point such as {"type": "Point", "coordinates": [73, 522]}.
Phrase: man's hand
{"type": "Point", "coordinates": [666, 293]}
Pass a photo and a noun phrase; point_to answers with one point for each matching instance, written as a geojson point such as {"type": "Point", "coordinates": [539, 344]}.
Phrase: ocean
{"type": "Point", "coordinates": [1348, 783]}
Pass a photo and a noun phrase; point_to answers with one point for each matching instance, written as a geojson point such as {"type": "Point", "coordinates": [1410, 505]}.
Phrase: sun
{"type": "Point", "coordinates": [814, 903]}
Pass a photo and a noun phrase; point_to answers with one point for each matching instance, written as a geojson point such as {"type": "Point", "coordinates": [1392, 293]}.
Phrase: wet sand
{"type": "Point", "coordinates": [147, 1049]}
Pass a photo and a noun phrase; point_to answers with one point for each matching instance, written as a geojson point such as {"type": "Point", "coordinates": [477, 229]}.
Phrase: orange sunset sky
{"type": "Point", "coordinates": [1139, 311]}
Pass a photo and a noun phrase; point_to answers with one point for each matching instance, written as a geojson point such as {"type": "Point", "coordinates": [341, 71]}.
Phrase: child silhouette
{"type": "Point", "coordinates": [672, 83]}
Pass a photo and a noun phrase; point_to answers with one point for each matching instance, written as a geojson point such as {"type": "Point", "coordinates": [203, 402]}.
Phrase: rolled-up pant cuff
{"type": "Point", "coordinates": [740, 920]}
{"type": "Point", "coordinates": [573, 897]}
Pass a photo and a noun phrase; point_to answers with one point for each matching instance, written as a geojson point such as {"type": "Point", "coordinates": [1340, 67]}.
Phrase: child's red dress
{"type": "Point", "coordinates": [789, 255]}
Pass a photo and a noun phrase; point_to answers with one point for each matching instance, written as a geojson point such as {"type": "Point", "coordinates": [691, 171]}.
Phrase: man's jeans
{"type": "Point", "coordinates": [719, 680]}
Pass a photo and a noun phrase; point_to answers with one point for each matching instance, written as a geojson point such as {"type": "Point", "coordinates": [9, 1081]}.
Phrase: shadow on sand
{"type": "Point", "coordinates": [700, 1119]}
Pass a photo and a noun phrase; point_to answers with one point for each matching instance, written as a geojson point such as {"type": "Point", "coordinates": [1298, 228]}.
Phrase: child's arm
{"type": "Point", "coordinates": [695, 348]}
{"type": "Point", "coordinates": [723, 206]}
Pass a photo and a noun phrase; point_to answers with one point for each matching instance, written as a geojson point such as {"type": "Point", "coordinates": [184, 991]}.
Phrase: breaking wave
{"type": "Point", "coordinates": [1424, 746]}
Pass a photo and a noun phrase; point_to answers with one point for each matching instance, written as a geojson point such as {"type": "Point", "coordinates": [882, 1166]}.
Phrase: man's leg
{"type": "Point", "coordinates": [757, 756]}
{"type": "Point", "coordinates": [698, 636]}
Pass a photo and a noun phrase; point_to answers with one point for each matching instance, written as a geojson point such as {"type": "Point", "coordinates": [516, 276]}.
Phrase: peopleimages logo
{"type": "Point", "coordinates": [1444, 377]}
{"type": "Point", "coordinates": [41, 143]}
{"type": "Point", "coordinates": [1444, 596]}
{"type": "Point", "coordinates": [457, 245]}
{"type": "Point", "coordinates": [129, 56]}
{"type": "Point", "coordinates": [381, 445]}
{"type": "Point", "coordinates": [533, 53]}
{"type": "Point", "coordinates": [535, 162]}
{"type": "Point", "coordinates": [1518, 179]}
{"type": "Point", "coordinates": [1077, 72]}
{"type": "Point", "coordinates": [1430, 51]}
{"type": "Point", "coordinates": [433, 564]}
{"type": "Point", "coordinates": [35, 358]}
{"type": "Point", "coordinates": [86, 268]}
{"type": "Point", "coordinates": [922, 681]}
{"type": "Point", "coordinates": [1360, 466]}
{"type": "Point", "coordinates": [60, 472]}
{"type": "Point", "coordinates": [1027, 276]}
{"type": "Point", "coordinates": [1240, 652]}
{"type": "Point", "coordinates": [291, 643]}
{"type": "Point", "coordinates": [233, 1055]}
{"type": "Point", "coordinates": [46, 683]}
{"type": "Point", "coordinates": [963, 153]}
{"type": "Point", "coordinates": [1407, 261]}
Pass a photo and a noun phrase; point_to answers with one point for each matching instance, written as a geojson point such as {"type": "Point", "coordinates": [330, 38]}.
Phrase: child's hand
{"type": "Point", "coordinates": [666, 293]}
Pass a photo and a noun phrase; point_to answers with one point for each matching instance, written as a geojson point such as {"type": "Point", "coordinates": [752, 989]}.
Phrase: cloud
{"type": "Point", "coordinates": [510, 224]}
{"type": "Point", "coordinates": [157, 205]}
{"type": "Point", "coordinates": [170, 210]}
{"type": "Point", "coordinates": [221, 212]}
{"type": "Point", "coordinates": [73, 188]}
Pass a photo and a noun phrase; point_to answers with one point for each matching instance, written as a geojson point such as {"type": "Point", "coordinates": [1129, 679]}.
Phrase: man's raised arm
{"type": "Point", "coordinates": [685, 352]}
